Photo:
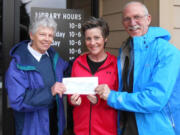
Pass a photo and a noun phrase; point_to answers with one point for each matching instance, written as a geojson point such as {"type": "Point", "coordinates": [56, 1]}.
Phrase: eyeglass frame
{"type": "Point", "coordinates": [136, 18]}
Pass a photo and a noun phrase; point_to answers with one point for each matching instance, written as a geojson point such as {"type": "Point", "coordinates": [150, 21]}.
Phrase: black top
{"type": "Point", "coordinates": [94, 65]}
{"type": "Point", "coordinates": [128, 118]}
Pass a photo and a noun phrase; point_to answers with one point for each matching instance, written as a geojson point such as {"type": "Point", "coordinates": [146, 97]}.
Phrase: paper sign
{"type": "Point", "coordinates": [80, 85]}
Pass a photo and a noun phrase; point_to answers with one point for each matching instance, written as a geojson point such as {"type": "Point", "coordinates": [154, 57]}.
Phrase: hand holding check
{"type": "Point", "coordinates": [58, 88]}
{"type": "Point", "coordinates": [103, 91]}
{"type": "Point", "coordinates": [82, 86]}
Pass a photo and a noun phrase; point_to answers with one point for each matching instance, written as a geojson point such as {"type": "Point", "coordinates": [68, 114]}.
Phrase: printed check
{"type": "Point", "coordinates": [80, 85]}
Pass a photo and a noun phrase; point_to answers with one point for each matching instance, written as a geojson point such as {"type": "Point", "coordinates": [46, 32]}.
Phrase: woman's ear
{"type": "Point", "coordinates": [31, 35]}
{"type": "Point", "coordinates": [105, 42]}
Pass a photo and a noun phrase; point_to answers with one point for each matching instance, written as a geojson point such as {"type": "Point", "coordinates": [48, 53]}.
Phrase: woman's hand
{"type": "Point", "coordinates": [76, 99]}
{"type": "Point", "coordinates": [92, 98]}
{"type": "Point", "coordinates": [58, 88]}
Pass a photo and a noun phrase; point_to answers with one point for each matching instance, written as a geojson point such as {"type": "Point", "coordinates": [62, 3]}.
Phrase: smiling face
{"type": "Point", "coordinates": [95, 41]}
{"type": "Point", "coordinates": [135, 19]}
{"type": "Point", "coordinates": [42, 39]}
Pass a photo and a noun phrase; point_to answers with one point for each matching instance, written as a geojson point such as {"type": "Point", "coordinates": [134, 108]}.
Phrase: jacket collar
{"type": "Point", "coordinates": [24, 58]}
{"type": "Point", "coordinates": [143, 42]}
{"type": "Point", "coordinates": [83, 60]}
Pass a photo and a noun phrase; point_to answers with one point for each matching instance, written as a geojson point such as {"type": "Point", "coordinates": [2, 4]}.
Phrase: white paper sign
{"type": "Point", "coordinates": [80, 85]}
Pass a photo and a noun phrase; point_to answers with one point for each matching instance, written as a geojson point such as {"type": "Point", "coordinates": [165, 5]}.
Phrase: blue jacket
{"type": "Point", "coordinates": [28, 96]}
{"type": "Point", "coordinates": [156, 87]}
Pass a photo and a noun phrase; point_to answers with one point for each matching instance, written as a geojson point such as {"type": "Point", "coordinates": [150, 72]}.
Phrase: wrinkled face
{"type": "Point", "coordinates": [42, 39]}
{"type": "Point", "coordinates": [135, 21]}
{"type": "Point", "coordinates": [94, 41]}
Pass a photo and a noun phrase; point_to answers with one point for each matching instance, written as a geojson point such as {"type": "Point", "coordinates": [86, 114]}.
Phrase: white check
{"type": "Point", "coordinates": [80, 85]}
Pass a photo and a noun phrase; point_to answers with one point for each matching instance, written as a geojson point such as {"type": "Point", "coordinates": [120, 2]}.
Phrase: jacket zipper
{"type": "Point", "coordinates": [171, 117]}
{"type": "Point", "coordinates": [90, 120]}
{"type": "Point", "coordinates": [91, 103]}
{"type": "Point", "coordinates": [85, 67]}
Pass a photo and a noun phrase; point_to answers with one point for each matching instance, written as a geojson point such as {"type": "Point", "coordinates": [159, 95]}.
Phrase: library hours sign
{"type": "Point", "coordinates": [68, 40]}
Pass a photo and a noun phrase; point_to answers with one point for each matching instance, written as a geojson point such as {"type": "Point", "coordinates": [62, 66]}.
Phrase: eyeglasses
{"type": "Point", "coordinates": [135, 18]}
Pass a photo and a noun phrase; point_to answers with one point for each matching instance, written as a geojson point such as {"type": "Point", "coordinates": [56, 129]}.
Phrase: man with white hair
{"type": "Point", "coordinates": [149, 75]}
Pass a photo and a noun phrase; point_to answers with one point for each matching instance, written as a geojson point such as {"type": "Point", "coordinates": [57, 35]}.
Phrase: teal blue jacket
{"type": "Point", "coordinates": [156, 87]}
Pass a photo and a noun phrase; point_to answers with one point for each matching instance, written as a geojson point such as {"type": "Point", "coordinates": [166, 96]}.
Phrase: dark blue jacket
{"type": "Point", "coordinates": [28, 96]}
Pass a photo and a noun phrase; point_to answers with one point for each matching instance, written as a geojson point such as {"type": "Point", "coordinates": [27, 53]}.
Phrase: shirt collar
{"type": "Point", "coordinates": [35, 53]}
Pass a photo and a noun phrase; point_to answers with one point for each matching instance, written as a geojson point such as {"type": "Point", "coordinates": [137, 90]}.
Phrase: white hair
{"type": "Point", "coordinates": [134, 2]}
{"type": "Point", "coordinates": [42, 21]}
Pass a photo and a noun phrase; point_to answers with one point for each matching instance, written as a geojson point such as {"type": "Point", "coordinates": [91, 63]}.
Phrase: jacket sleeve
{"type": "Point", "coordinates": [157, 90]}
{"type": "Point", "coordinates": [21, 97]}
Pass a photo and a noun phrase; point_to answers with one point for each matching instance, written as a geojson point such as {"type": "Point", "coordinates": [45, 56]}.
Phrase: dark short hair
{"type": "Point", "coordinates": [93, 22]}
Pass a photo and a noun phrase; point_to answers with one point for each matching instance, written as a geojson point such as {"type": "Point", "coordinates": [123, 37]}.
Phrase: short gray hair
{"type": "Point", "coordinates": [133, 2]}
{"type": "Point", "coordinates": [42, 21]}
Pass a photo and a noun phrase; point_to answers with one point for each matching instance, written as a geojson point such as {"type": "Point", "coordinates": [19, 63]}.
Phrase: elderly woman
{"type": "Point", "coordinates": [91, 114]}
{"type": "Point", "coordinates": [33, 78]}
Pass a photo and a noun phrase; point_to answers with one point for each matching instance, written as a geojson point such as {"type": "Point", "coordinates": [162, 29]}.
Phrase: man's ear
{"type": "Point", "coordinates": [149, 19]}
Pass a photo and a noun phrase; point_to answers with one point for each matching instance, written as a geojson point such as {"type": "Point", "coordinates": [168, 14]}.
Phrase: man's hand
{"type": "Point", "coordinates": [58, 88]}
{"type": "Point", "coordinates": [103, 91]}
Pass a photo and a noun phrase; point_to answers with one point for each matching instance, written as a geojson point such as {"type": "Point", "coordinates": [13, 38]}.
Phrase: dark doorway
{"type": "Point", "coordinates": [1, 64]}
